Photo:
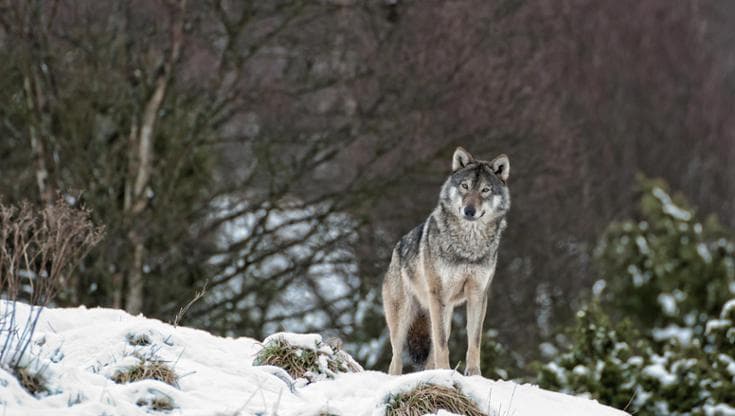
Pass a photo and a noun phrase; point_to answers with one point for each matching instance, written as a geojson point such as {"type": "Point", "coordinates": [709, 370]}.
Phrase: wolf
{"type": "Point", "coordinates": [447, 260]}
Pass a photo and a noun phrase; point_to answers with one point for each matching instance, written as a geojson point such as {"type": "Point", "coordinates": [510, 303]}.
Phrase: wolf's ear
{"type": "Point", "coordinates": [461, 159]}
{"type": "Point", "coordinates": [501, 167]}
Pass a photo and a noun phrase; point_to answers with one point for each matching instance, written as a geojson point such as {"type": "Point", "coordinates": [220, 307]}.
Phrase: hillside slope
{"type": "Point", "coordinates": [81, 350]}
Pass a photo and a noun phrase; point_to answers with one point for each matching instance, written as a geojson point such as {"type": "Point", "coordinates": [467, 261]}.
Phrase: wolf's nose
{"type": "Point", "coordinates": [469, 211]}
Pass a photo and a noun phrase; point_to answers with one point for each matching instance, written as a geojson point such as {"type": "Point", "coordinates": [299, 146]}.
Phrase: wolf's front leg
{"type": "Point", "coordinates": [476, 307]}
{"type": "Point", "coordinates": [438, 312]}
{"type": "Point", "coordinates": [397, 316]}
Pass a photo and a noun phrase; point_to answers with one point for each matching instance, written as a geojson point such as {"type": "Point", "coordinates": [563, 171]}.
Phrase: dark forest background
{"type": "Point", "coordinates": [271, 153]}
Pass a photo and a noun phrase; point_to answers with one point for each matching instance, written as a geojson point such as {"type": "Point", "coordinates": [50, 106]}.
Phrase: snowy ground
{"type": "Point", "coordinates": [81, 348]}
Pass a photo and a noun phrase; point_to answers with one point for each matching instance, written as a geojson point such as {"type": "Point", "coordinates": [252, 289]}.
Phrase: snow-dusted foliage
{"type": "Point", "coordinates": [612, 363]}
{"type": "Point", "coordinates": [667, 269]}
{"type": "Point", "coordinates": [668, 345]}
{"type": "Point", "coordinates": [604, 361]}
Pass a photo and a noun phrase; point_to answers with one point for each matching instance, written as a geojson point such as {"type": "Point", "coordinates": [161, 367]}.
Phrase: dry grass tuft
{"type": "Point", "coordinates": [428, 398]}
{"type": "Point", "coordinates": [296, 361]}
{"type": "Point", "coordinates": [158, 404]}
{"type": "Point", "coordinates": [147, 368]}
{"type": "Point", "coordinates": [305, 363]}
{"type": "Point", "coordinates": [32, 382]}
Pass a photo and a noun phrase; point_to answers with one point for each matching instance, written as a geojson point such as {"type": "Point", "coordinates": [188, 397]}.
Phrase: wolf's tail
{"type": "Point", "coordinates": [419, 338]}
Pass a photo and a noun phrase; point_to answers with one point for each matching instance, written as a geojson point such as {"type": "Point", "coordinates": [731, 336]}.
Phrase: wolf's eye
{"type": "Point", "coordinates": [485, 190]}
{"type": "Point", "coordinates": [465, 186]}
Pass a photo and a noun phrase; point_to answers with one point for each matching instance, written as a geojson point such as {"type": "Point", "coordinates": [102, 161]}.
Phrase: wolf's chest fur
{"type": "Point", "coordinates": [460, 253]}
{"type": "Point", "coordinates": [463, 243]}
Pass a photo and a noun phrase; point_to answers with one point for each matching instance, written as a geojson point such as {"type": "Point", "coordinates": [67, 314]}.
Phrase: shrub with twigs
{"type": "Point", "coordinates": [39, 249]}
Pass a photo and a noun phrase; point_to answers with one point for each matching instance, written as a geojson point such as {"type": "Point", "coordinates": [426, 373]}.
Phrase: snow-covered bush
{"type": "Point", "coordinates": [696, 379]}
{"type": "Point", "coordinates": [671, 277]}
{"type": "Point", "coordinates": [305, 356]}
{"type": "Point", "coordinates": [604, 360]}
{"type": "Point", "coordinates": [611, 363]}
{"type": "Point", "coordinates": [667, 269]}
{"type": "Point", "coordinates": [497, 360]}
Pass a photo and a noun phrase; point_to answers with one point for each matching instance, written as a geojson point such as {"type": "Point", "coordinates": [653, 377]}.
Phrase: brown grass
{"type": "Point", "coordinates": [295, 361]}
{"type": "Point", "coordinates": [429, 398]}
{"type": "Point", "coordinates": [147, 369]}
{"type": "Point", "coordinates": [32, 382]}
{"type": "Point", "coordinates": [159, 404]}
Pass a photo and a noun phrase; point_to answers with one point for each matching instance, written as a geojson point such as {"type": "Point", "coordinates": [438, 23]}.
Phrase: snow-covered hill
{"type": "Point", "coordinates": [80, 350]}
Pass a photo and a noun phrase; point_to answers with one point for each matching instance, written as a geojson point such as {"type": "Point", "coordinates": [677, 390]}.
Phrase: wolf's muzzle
{"type": "Point", "coordinates": [469, 212]}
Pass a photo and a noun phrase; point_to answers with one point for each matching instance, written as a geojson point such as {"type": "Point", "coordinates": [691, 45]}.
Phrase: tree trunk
{"type": "Point", "coordinates": [38, 145]}
{"type": "Point", "coordinates": [138, 201]}
{"type": "Point", "coordinates": [141, 148]}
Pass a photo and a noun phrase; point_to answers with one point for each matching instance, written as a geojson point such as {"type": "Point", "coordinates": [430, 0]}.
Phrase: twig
{"type": "Point", "coordinates": [635, 392]}
{"type": "Point", "coordinates": [199, 294]}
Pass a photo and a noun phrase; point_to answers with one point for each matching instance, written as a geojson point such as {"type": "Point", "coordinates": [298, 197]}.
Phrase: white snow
{"type": "Point", "coordinates": [728, 309]}
{"type": "Point", "coordinates": [668, 303]}
{"type": "Point", "coordinates": [658, 370]}
{"type": "Point", "coordinates": [730, 363]}
{"type": "Point", "coordinates": [642, 244]}
{"type": "Point", "coordinates": [681, 334]}
{"type": "Point", "coordinates": [639, 278]}
{"type": "Point", "coordinates": [669, 207]}
{"type": "Point", "coordinates": [704, 252]}
{"type": "Point", "coordinates": [81, 348]}
{"type": "Point", "coordinates": [720, 409]}
{"type": "Point", "coordinates": [715, 324]}
{"type": "Point", "coordinates": [660, 373]}
{"type": "Point", "coordinates": [580, 370]}
{"type": "Point", "coordinates": [598, 287]}
{"type": "Point", "coordinates": [548, 350]}
{"type": "Point", "coordinates": [305, 341]}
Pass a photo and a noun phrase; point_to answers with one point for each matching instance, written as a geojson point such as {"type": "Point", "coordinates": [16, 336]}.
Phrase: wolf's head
{"type": "Point", "coordinates": [477, 190]}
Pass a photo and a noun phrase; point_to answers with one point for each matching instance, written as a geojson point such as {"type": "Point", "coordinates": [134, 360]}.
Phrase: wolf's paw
{"type": "Point", "coordinates": [475, 371]}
